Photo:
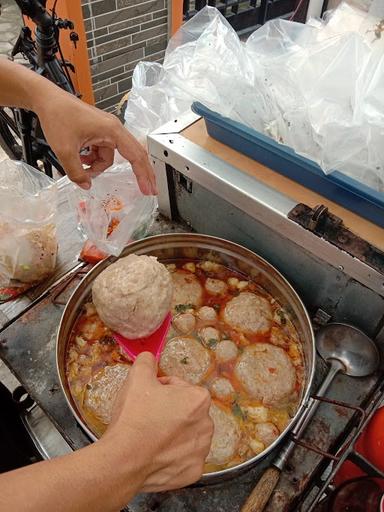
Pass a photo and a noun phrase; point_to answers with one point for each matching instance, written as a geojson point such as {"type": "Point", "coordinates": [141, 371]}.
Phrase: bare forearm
{"type": "Point", "coordinates": [90, 479]}
{"type": "Point", "coordinates": [21, 87]}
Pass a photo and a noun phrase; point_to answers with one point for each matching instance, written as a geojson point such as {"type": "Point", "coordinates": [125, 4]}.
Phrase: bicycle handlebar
{"type": "Point", "coordinates": [35, 9]}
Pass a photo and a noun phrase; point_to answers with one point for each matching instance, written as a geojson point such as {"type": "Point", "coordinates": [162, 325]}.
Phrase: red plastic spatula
{"type": "Point", "coordinates": [153, 343]}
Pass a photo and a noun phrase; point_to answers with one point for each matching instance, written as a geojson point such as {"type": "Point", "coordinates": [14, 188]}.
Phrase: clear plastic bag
{"type": "Point", "coordinates": [28, 243]}
{"type": "Point", "coordinates": [114, 211]}
{"type": "Point", "coordinates": [317, 88]}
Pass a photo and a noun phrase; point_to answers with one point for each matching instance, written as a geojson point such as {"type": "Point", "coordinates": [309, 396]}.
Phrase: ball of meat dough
{"type": "Point", "coordinates": [266, 372]}
{"type": "Point", "coordinates": [185, 323]}
{"type": "Point", "coordinates": [207, 314]}
{"type": "Point", "coordinates": [266, 432]}
{"type": "Point", "coordinates": [102, 390]}
{"type": "Point", "coordinates": [226, 436]}
{"type": "Point", "coordinates": [186, 358]}
{"type": "Point", "coordinates": [215, 286]}
{"type": "Point", "coordinates": [225, 351]}
{"type": "Point", "coordinates": [249, 313]}
{"type": "Point", "coordinates": [222, 389]}
{"type": "Point", "coordinates": [186, 289]}
{"type": "Point", "coordinates": [133, 295]}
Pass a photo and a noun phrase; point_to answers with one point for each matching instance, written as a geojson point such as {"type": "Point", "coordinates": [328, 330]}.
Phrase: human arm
{"type": "Point", "coordinates": [158, 440]}
{"type": "Point", "coordinates": [70, 125]}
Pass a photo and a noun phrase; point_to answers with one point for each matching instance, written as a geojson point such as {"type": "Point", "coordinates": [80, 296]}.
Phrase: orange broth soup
{"type": "Point", "coordinates": [229, 350]}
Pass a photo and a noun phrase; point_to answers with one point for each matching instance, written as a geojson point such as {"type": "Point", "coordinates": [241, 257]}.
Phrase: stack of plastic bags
{"type": "Point", "coordinates": [318, 88]}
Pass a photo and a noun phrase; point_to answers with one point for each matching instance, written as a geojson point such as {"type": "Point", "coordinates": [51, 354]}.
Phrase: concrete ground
{"type": "Point", "coordinates": [10, 24]}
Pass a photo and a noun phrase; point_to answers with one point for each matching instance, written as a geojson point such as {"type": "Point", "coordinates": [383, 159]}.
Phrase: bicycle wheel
{"type": "Point", "coordinates": [9, 135]}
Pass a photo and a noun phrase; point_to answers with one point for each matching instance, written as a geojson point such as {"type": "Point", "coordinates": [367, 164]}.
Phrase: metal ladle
{"type": "Point", "coordinates": [347, 350]}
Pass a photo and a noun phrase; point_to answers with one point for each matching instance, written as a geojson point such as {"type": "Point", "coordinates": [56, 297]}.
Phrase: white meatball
{"type": "Point", "coordinates": [216, 286]}
{"type": "Point", "coordinates": [222, 389]}
{"type": "Point", "coordinates": [209, 336]}
{"type": "Point", "coordinates": [207, 314]}
{"type": "Point", "coordinates": [185, 323]}
{"type": "Point", "coordinates": [266, 372]}
{"type": "Point", "coordinates": [249, 313]}
{"type": "Point", "coordinates": [186, 289]}
{"type": "Point", "coordinates": [256, 446]}
{"type": "Point", "coordinates": [186, 358]}
{"type": "Point", "coordinates": [225, 351]}
{"type": "Point", "coordinates": [257, 413]}
{"type": "Point", "coordinates": [226, 436]}
{"type": "Point", "coordinates": [210, 266]}
{"type": "Point", "coordinates": [266, 432]}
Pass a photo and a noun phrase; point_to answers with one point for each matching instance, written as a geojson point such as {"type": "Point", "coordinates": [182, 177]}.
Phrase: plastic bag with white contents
{"type": "Point", "coordinates": [28, 243]}
{"type": "Point", "coordinates": [114, 211]}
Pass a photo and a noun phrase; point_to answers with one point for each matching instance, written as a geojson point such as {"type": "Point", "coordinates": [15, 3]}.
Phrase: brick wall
{"type": "Point", "coordinates": [120, 33]}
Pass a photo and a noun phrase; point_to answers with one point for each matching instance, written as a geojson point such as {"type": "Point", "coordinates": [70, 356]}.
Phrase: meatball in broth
{"type": "Point", "coordinates": [187, 290]}
{"type": "Point", "coordinates": [249, 313]}
{"type": "Point", "coordinates": [266, 373]}
{"type": "Point", "coordinates": [186, 358]}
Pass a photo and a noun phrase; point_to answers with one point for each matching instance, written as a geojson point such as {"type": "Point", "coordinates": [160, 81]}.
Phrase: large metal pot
{"type": "Point", "coordinates": [193, 246]}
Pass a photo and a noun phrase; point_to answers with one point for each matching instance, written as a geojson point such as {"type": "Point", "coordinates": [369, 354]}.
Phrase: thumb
{"type": "Point", "coordinates": [145, 366]}
{"type": "Point", "coordinates": [173, 381]}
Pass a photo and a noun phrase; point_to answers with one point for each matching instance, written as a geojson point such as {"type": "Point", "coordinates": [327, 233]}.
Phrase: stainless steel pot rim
{"type": "Point", "coordinates": [178, 240]}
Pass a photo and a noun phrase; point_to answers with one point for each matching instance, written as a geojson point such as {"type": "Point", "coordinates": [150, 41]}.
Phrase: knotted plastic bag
{"type": "Point", "coordinates": [28, 243]}
{"type": "Point", "coordinates": [114, 211]}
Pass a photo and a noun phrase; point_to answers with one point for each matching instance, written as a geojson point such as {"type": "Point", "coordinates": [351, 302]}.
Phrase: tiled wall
{"type": "Point", "coordinates": [120, 33]}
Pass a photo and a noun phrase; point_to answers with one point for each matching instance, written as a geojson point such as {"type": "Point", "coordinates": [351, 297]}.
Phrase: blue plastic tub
{"type": "Point", "coordinates": [338, 187]}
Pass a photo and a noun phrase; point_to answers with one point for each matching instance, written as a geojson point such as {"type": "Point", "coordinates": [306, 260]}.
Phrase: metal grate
{"type": "Point", "coordinates": [244, 15]}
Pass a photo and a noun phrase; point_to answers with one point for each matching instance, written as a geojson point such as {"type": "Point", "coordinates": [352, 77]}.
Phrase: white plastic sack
{"type": "Point", "coordinates": [318, 88]}
{"type": "Point", "coordinates": [28, 243]}
{"type": "Point", "coordinates": [114, 211]}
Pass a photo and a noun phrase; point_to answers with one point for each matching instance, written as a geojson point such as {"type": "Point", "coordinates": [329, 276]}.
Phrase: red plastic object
{"type": "Point", "coordinates": [153, 343]}
{"type": "Point", "coordinates": [371, 445]}
{"type": "Point", "coordinates": [373, 440]}
{"type": "Point", "coordinates": [358, 495]}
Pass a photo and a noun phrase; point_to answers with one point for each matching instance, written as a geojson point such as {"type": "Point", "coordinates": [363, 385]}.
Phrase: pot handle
{"type": "Point", "coordinates": [262, 491]}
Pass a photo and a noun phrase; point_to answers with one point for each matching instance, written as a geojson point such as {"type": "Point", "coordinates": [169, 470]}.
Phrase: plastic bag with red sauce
{"type": "Point", "coordinates": [112, 213]}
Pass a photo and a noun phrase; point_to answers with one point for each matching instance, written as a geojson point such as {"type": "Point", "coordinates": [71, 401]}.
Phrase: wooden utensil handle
{"type": "Point", "coordinates": [262, 491]}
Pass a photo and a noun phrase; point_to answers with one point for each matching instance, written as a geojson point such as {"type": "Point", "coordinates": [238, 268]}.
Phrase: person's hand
{"type": "Point", "coordinates": [71, 125]}
{"type": "Point", "coordinates": [164, 424]}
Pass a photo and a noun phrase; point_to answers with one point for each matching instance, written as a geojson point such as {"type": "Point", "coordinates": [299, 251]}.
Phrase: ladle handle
{"type": "Point", "coordinates": [262, 491]}
{"type": "Point", "coordinates": [335, 367]}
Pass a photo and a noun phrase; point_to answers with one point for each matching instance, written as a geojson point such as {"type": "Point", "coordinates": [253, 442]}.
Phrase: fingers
{"type": "Point", "coordinates": [130, 149]}
{"type": "Point", "coordinates": [145, 367]}
{"type": "Point", "coordinates": [103, 158]}
{"type": "Point", "coordinates": [144, 175]}
{"type": "Point", "coordinates": [73, 167]}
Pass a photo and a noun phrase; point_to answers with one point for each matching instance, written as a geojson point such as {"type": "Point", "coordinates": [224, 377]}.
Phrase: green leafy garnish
{"type": "Point", "coordinates": [184, 360]}
{"type": "Point", "coordinates": [281, 315]}
{"type": "Point", "coordinates": [237, 411]}
{"type": "Point", "coordinates": [211, 343]}
{"type": "Point", "coordinates": [182, 308]}
{"type": "Point", "coordinates": [216, 307]}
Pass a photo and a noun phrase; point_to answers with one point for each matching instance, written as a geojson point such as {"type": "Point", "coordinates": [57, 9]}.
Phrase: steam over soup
{"type": "Point", "coordinates": [229, 335]}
